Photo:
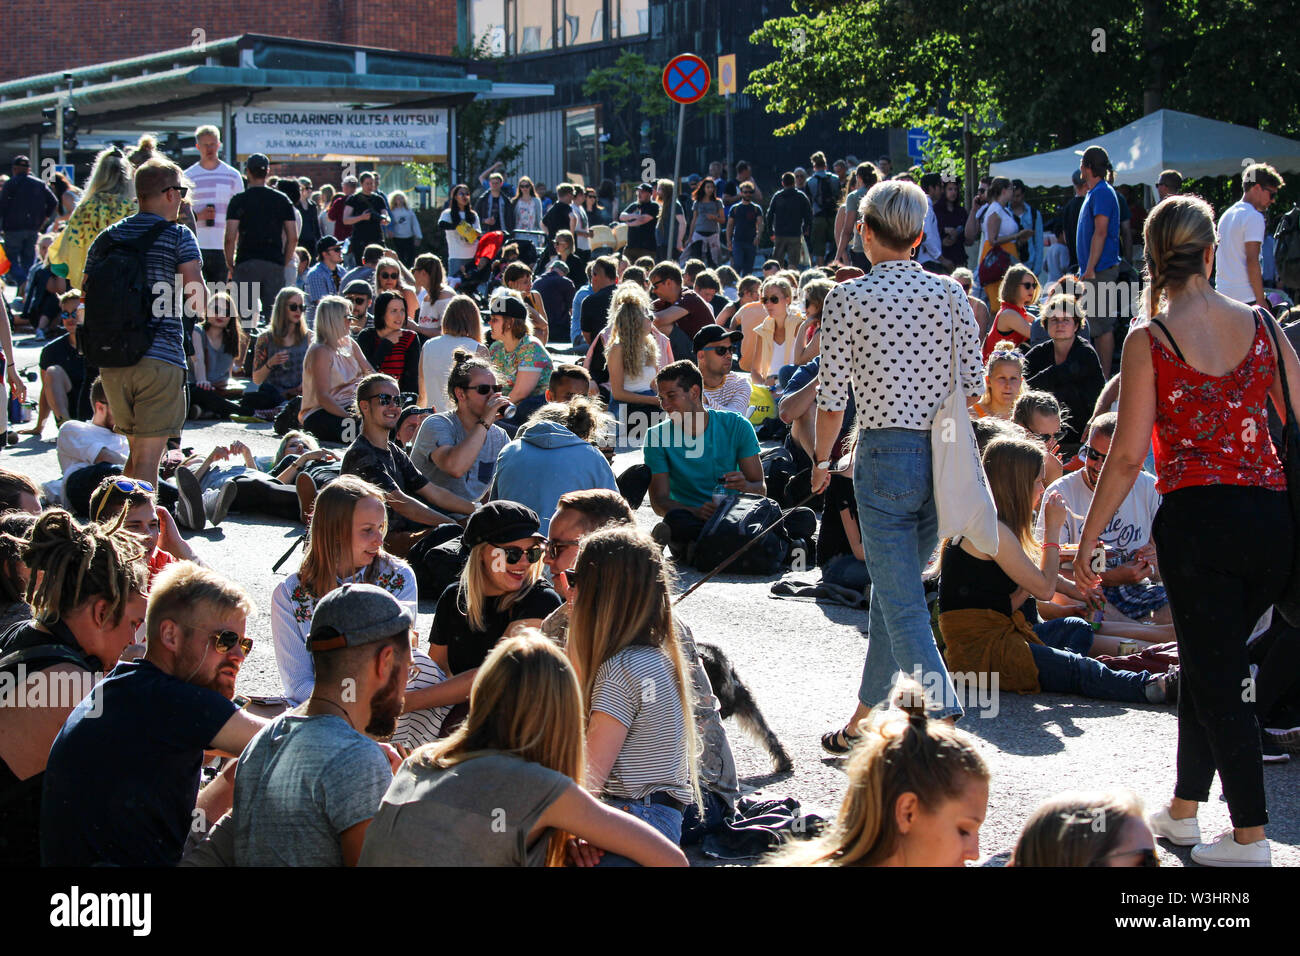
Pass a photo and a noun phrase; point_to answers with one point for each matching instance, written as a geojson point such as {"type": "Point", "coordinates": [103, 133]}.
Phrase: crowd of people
{"type": "Point", "coordinates": [437, 446]}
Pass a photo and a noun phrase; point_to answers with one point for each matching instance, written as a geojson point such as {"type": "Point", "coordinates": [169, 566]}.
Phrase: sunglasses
{"type": "Point", "coordinates": [358, 299]}
{"type": "Point", "coordinates": [1146, 857]}
{"type": "Point", "coordinates": [388, 275]}
{"type": "Point", "coordinates": [1031, 285]}
{"type": "Point", "coordinates": [773, 299]}
{"type": "Point", "coordinates": [183, 190]}
{"type": "Point", "coordinates": [1092, 454]}
{"type": "Point", "coordinates": [385, 399]}
{"type": "Point", "coordinates": [556, 546]}
{"type": "Point", "coordinates": [484, 389]}
{"type": "Point", "coordinates": [571, 576]}
{"type": "Point", "coordinates": [1047, 439]}
{"type": "Point", "coordinates": [294, 307]}
{"type": "Point", "coordinates": [515, 555]}
{"type": "Point", "coordinates": [719, 350]}
{"type": "Point", "coordinates": [224, 641]}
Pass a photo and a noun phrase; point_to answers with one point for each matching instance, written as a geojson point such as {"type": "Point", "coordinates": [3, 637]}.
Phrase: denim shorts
{"type": "Point", "coordinates": [666, 820]}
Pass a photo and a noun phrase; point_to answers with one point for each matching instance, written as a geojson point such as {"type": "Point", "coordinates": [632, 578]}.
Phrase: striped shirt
{"type": "Point", "coordinates": [731, 396]}
{"type": "Point", "coordinates": [214, 186]}
{"type": "Point", "coordinates": [638, 688]}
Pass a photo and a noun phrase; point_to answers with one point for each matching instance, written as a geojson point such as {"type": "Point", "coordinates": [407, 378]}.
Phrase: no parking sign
{"type": "Point", "coordinates": [686, 78]}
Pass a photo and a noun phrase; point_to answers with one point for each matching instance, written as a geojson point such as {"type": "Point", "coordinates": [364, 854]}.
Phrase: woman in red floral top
{"type": "Point", "coordinates": [1196, 382]}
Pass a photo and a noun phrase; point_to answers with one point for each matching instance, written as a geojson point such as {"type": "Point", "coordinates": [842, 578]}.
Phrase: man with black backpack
{"type": "Point", "coordinates": [140, 277]}
{"type": "Point", "coordinates": [824, 191]}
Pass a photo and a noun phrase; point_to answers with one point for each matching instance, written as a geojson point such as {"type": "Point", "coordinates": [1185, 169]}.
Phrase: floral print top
{"type": "Point", "coordinates": [529, 355]}
{"type": "Point", "coordinates": [91, 217]}
{"type": "Point", "coordinates": [1213, 430]}
{"type": "Point", "coordinates": [292, 606]}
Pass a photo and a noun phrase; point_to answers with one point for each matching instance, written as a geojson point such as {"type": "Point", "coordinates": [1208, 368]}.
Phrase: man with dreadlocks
{"type": "Point", "coordinates": [86, 591]}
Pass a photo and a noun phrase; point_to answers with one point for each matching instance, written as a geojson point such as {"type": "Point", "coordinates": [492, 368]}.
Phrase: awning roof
{"type": "Point", "coordinates": [164, 90]}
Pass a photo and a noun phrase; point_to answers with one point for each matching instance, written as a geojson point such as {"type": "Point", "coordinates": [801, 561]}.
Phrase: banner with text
{"type": "Point", "coordinates": [310, 130]}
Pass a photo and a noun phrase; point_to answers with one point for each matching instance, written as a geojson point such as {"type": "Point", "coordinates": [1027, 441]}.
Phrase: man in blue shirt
{"type": "Point", "coordinates": [325, 277]}
{"type": "Point", "coordinates": [1097, 243]}
{"type": "Point", "coordinates": [693, 451]}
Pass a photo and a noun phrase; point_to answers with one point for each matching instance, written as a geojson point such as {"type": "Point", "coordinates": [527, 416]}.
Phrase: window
{"type": "Point", "coordinates": [633, 17]}
{"type": "Point", "coordinates": [487, 18]}
{"type": "Point", "coordinates": [581, 131]}
{"type": "Point", "coordinates": [534, 26]}
{"type": "Point", "coordinates": [584, 21]}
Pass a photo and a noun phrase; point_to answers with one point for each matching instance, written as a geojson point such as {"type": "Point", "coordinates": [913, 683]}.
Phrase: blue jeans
{"type": "Point", "coordinates": [893, 484]}
{"type": "Point", "coordinates": [846, 571]}
{"type": "Point", "coordinates": [1064, 666]}
{"type": "Point", "coordinates": [742, 257]}
{"type": "Point", "coordinates": [666, 820]}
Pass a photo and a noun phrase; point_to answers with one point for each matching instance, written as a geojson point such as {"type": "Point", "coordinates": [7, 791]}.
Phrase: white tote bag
{"type": "Point", "coordinates": [961, 489]}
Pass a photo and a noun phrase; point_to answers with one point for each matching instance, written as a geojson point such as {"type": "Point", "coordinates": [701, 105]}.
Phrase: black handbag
{"type": "Point", "coordinates": [1288, 604]}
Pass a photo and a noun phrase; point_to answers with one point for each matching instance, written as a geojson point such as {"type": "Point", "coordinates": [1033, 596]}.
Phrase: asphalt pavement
{"type": "Point", "coordinates": [802, 662]}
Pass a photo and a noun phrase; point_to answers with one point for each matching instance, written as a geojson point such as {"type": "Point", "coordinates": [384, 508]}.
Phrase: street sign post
{"type": "Point", "coordinates": [727, 85]}
{"type": "Point", "coordinates": [686, 79]}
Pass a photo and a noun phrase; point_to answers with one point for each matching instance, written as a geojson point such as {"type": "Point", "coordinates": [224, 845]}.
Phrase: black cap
{"type": "Point", "coordinates": [21, 161]}
{"type": "Point", "coordinates": [714, 333]}
{"type": "Point", "coordinates": [498, 522]}
{"type": "Point", "coordinates": [509, 306]}
{"type": "Point", "coordinates": [358, 287]}
{"type": "Point", "coordinates": [325, 243]}
{"type": "Point", "coordinates": [408, 411]}
{"type": "Point", "coordinates": [259, 164]}
{"type": "Point", "coordinates": [647, 187]}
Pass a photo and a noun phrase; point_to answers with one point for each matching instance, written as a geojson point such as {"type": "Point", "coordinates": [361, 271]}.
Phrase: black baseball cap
{"type": "Point", "coordinates": [21, 161]}
{"type": "Point", "coordinates": [715, 333]}
{"type": "Point", "coordinates": [408, 411]}
{"type": "Point", "coordinates": [358, 287]}
{"type": "Point", "coordinates": [498, 522]}
{"type": "Point", "coordinates": [647, 187]}
{"type": "Point", "coordinates": [325, 243]}
{"type": "Point", "coordinates": [509, 306]}
{"type": "Point", "coordinates": [258, 164]}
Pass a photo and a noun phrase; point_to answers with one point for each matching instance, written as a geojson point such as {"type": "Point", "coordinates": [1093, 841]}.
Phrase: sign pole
{"type": "Point", "coordinates": [677, 178]}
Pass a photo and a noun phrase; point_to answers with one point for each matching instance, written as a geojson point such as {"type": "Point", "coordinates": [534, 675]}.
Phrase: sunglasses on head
{"type": "Point", "coordinates": [515, 555]}
{"type": "Point", "coordinates": [385, 399]}
{"type": "Point", "coordinates": [484, 389]}
{"type": "Point", "coordinates": [1092, 454]}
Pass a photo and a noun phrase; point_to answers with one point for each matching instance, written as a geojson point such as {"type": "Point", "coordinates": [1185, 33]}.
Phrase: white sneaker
{"type": "Point", "coordinates": [1178, 832]}
{"type": "Point", "coordinates": [1225, 851]}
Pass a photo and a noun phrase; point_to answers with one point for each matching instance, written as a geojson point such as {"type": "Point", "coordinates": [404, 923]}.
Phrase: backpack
{"type": "Point", "coordinates": [1286, 249]}
{"type": "Point", "coordinates": [120, 321]}
{"type": "Point", "coordinates": [826, 195]}
{"type": "Point", "coordinates": [733, 525]}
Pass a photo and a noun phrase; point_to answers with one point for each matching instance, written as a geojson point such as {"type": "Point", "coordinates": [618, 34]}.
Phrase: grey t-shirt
{"type": "Point", "coordinates": [477, 813]}
{"type": "Point", "coordinates": [443, 429]}
{"type": "Point", "coordinates": [851, 203]}
{"type": "Point", "coordinates": [301, 782]}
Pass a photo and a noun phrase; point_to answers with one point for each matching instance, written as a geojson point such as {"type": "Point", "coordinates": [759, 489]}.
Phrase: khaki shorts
{"type": "Point", "coordinates": [1103, 301]}
{"type": "Point", "coordinates": [147, 399]}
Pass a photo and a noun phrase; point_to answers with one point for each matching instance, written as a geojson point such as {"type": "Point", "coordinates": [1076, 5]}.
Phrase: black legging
{"type": "Point", "coordinates": [328, 427]}
{"type": "Point", "coordinates": [1277, 685]}
{"type": "Point", "coordinates": [258, 493]}
{"type": "Point", "coordinates": [1225, 553]}
{"type": "Point", "coordinates": [212, 400]}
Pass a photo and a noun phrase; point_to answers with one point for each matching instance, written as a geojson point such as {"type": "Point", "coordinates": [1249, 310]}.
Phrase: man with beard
{"type": "Point", "coordinates": [308, 785]}
{"type": "Point", "coordinates": [123, 773]}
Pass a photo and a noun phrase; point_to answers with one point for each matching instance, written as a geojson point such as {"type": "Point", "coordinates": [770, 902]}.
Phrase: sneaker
{"type": "Point", "coordinates": [1178, 832]}
{"type": "Point", "coordinates": [1271, 750]}
{"type": "Point", "coordinates": [266, 414]}
{"type": "Point", "coordinates": [189, 504]}
{"type": "Point", "coordinates": [662, 534]}
{"type": "Point", "coordinates": [306, 489]}
{"type": "Point", "coordinates": [1225, 851]}
{"type": "Point", "coordinates": [218, 505]}
{"type": "Point", "coordinates": [1288, 738]}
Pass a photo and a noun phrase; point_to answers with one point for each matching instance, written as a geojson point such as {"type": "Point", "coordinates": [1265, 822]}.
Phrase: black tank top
{"type": "Point", "coordinates": [968, 582]}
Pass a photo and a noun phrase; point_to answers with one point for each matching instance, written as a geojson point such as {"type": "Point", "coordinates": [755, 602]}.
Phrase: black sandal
{"type": "Point", "coordinates": [838, 743]}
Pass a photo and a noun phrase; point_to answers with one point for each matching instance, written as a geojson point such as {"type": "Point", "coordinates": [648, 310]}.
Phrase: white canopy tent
{"type": "Point", "coordinates": [1165, 139]}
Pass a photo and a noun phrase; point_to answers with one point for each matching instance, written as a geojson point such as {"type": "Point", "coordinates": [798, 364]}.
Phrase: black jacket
{"type": "Point", "coordinates": [1076, 382]}
{"type": "Point", "coordinates": [790, 213]}
{"type": "Point", "coordinates": [506, 221]}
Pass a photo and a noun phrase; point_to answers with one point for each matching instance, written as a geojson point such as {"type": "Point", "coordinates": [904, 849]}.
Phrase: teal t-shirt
{"type": "Point", "coordinates": [695, 462]}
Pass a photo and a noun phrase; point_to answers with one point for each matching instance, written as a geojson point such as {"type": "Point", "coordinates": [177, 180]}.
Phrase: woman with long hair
{"type": "Point", "coordinates": [768, 353]}
{"type": "Point", "coordinates": [432, 292]}
{"type": "Point", "coordinates": [668, 206]}
{"type": "Point", "coordinates": [528, 207]}
{"type": "Point", "coordinates": [1086, 829]}
{"type": "Point", "coordinates": [278, 354]}
{"type": "Point", "coordinates": [462, 328]}
{"type": "Point", "coordinates": [1004, 382]}
{"type": "Point", "coordinates": [998, 228]}
{"type": "Point", "coordinates": [403, 227]}
{"type": "Point", "coordinates": [86, 587]}
{"type": "Point", "coordinates": [518, 277]}
{"type": "Point", "coordinates": [1012, 321]}
{"type": "Point", "coordinates": [642, 747]}
{"type": "Point", "coordinates": [1201, 374]}
{"type": "Point", "coordinates": [331, 371]}
{"type": "Point", "coordinates": [708, 219]}
{"type": "Point", "coordinates": [514, 763]}
{"type": "Point", "coordinates": [980, 596]}
{"type": "Point", "coordinates": [553, 454]}
{"type": "Point", "coordinates": [390, 276]}
{"type": "Point", "coordinates": [632, 355]}
{"type": "Point", "coordinates": [109, 196]}
{"type": "Point", "coordinates": [917, 795]}
{"type": "Point", "coordinates": [1067, 366]}
{"type": "Point", "coordinates": [15, 529]}
{"type": "Point", "coordinates": [389, 346]}
{"type": "Point", "coordinates": [218, 345]}
{"type": "Point", "coordinates": [324, 199]}
{"type": "Point", "coordinates": [459, 222]}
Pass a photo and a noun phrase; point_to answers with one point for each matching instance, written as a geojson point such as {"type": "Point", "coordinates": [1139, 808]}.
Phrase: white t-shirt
{"type": "Point", "coordinates": [1129, 530]}
{"type": "Point", "coordinates": [458, 248]}
{"type": "Point", "coordinates": [431, 310]}
{"type": "Point", "coordinates": [1007, 225]}
{"type": "Point", "coordinates": [215, 186]}
{"type": "Point", "coordinates": [79, 444]}
{"type": "Point", "coordinates": [1240, 223]}
{"type": "Point", "coordinates": [435, 366]}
